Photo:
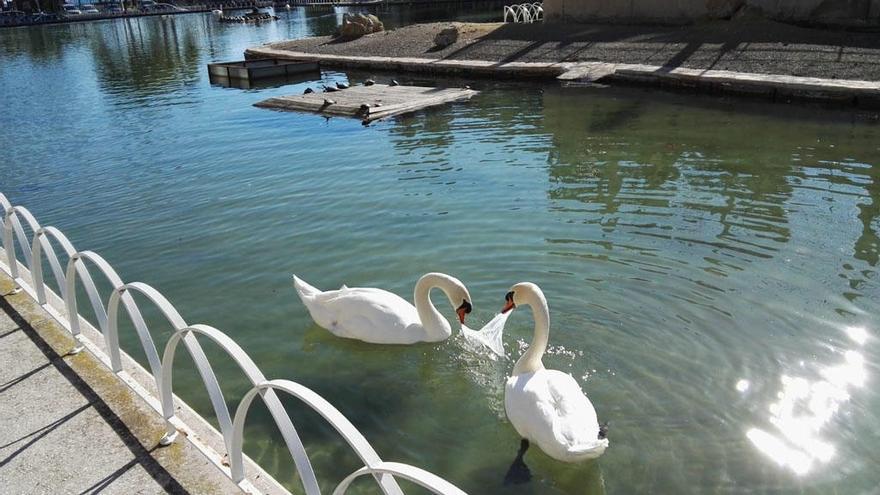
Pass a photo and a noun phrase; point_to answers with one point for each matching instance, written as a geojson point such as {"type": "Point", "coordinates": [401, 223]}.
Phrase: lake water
{"type": "Point", "coordinates": [711, 264]}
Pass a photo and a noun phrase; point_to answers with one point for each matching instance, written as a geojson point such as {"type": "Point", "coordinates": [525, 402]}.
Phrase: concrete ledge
{"type": "Point", "coordinates": [849, 92]}
{"type": "Point", "coordinates": [511, 70]}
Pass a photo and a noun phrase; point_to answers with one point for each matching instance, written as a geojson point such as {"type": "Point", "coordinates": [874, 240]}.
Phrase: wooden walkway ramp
{"type": "Point", "coordinates": [369, 102]}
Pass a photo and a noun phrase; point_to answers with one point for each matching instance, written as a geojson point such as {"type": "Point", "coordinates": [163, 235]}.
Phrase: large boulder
{"type": "Point", "coordinates": [446, 37]}
{"type": "Point", "coordinates": [377, 24]}
{"type": "Point", "coordinates": [352, 30]}
{"type": "Point", "coordinates": [357, 25]}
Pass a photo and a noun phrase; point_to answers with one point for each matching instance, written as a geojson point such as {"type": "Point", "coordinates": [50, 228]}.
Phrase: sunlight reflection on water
{"type": "Point", "coordinates": [805, 407]}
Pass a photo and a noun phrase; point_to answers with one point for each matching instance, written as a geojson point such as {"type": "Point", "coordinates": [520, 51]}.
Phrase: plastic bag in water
{"type": "Point", "coordinates": [490, 334]}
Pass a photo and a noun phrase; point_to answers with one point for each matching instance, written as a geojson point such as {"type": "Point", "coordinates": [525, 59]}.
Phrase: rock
{"type": "Point", "coordinates": [352, 30]}
{"type": "Point", "coordinates": [748, 13]}
{"type": "Point", "coordinates": [377, 24]}
{"type": "Point", "coordinates": [357, 25]}
{"type": "Point", "coordinates": [308, 90]}
{"type": "Point", "coordinates": [446, 37]}
{"type": "Point", "coordinates": [723, 9]}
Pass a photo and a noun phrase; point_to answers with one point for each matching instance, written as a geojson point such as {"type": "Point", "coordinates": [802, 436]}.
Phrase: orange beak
{"type": "Point", "coordinates": [462, 310]}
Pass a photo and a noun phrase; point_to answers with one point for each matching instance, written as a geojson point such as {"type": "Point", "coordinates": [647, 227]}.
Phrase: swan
{"type": "Point", "coordinates": [381, 317]}
{"type": "Point", "coordinates": [547, 407]}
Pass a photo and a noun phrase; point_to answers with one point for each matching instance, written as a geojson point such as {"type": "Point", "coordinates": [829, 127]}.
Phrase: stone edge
{"type": "Point", "coordinates": [774, 86]}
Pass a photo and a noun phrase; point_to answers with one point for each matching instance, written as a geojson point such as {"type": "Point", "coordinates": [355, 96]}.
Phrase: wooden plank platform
{"type": "Point", "coordinates": [369, 102]}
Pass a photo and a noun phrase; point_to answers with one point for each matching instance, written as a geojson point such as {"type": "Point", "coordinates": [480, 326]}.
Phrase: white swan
{"type": "Point", "coordinates": [548, 407]}
{"type": "Point", "coordinates": [381, 317]}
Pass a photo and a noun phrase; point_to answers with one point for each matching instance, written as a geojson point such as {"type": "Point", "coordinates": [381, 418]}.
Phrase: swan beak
{"type": "Point", "coordinates": [508, 298]}
{"type": "Point", "coordinates": [462, 310]}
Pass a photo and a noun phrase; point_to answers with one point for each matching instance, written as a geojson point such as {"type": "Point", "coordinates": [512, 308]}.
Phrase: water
{"type": "Point", "coordinates": [711, 265]}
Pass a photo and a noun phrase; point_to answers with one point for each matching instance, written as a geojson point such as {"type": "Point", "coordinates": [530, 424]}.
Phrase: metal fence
{"type": "Point", "coordinates": [40, 246]}
{"type": "Point", "coordinates": [524, 12]}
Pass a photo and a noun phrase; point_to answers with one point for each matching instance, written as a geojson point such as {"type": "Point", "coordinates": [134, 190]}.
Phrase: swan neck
{"type": "Point", "coordinates": [530, 361]}
{"type": "Point", "coordinates": [435, 325]}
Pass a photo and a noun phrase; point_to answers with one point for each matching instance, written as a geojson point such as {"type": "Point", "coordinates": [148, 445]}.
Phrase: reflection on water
{"type": "Point", "coordinates": [699, 255]}
{"type": "Point", "coordinates": [805, 408]}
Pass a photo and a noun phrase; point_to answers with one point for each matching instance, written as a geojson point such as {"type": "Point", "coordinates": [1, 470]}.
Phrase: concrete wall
{"type": "Point", "coordinates": [839, 12]}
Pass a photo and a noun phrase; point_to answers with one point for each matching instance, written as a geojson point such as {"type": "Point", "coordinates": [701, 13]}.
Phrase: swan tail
{"type": "Point", "coordinates": [589, 450]}
{"type": "Point", "coordinates": [304, 290]}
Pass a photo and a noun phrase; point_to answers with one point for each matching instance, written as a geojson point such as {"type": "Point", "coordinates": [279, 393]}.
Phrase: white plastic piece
{"type": "Point", "coordinates": [168, 438]}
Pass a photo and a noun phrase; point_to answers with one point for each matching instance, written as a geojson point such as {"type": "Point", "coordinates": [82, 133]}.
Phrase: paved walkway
{"type": "Point", "coordinates": [756, 46]}
{"type": "Point", "coordinates": [58, 436]}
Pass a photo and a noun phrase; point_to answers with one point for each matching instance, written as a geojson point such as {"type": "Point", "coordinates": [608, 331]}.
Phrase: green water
{"type": "Point", "coordinates": [711, 265]}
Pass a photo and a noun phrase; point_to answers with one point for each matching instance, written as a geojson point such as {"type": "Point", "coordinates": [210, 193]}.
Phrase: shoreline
{"type": "Point", "coordinates": [715, 58]}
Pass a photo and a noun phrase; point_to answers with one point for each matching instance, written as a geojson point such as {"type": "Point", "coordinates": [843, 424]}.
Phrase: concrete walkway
{"type": "Point", "coordinates": [59, 436]}
{"type": "Point", "coordinates": [772, 60]}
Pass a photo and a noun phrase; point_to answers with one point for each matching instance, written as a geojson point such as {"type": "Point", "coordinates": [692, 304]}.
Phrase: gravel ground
{"type": "Point", "coordinates": [745, 46]}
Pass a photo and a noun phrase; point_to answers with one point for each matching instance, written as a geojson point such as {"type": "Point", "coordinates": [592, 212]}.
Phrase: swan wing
{"type": "Point", "coordinates": [575, 424]}
{"type": "Point", "coordinates": [549, 408]}
{"type": "Point", "coordinates": [371, 315]}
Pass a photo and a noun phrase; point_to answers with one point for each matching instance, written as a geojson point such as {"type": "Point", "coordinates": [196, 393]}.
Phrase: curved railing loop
{"type": "Point", "coordinates": [76, 266]}
{"type": "Point", "coordinates": [23, 241]}
{"type": "Point", "coordinates": [416, 475]}
{"type": "Point", "coordinates": [12, 228]}
{"type": "Point", "coordinates": [41, 243]}
{"type": "Point", "coordinates": [524, 12]}
{"type": "Point", "coordinates": [123, 293]}
{"type": "Point", "coordinates": [282, 420]}
{"type": "Point", "coordinates": [340, 423]}
{"type": "Point", "coordinates": [7, 236]}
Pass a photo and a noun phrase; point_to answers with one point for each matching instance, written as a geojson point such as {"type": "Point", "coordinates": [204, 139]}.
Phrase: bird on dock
{"type": "Point", "coordinates": [330, 89]}
{"type": "Point", "coordinates": [341, 85]}
{"type": "Point", "coordinates": [369, 82]}
{"type": "Point", "coordinates": [328, 102]}
{"type": "Point", "coordinates": [308, 90]}
{"type": "Point", "coordinates": [394, 83]}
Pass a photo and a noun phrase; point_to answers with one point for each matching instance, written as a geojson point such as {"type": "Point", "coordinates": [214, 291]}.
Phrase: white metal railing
{"type": "Point", "coordinates": [524, 12]}
{"type": "Point", "coordinates": [34, 249]}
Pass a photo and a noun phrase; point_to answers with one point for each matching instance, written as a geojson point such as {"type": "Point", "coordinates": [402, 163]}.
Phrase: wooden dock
{"type": "Point", "coordinates": [369, 102]}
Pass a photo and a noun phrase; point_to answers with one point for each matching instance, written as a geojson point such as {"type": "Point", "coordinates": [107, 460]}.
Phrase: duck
{"type": "Point", "coordinates": [547, 407]}
{"type": "Point", "coordinates": [381, 317]}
